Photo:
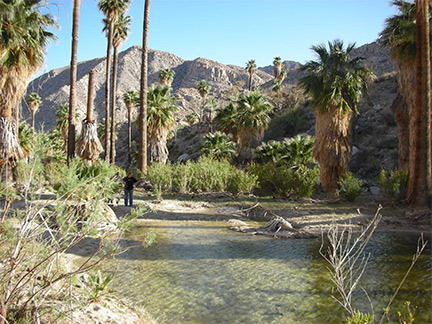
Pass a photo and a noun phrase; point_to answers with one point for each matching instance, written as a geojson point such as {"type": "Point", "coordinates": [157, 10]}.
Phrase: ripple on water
{"type": "Point", "coordinates": [200, 272]}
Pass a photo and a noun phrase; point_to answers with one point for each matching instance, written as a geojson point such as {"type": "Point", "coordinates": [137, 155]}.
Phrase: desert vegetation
{"type": "Point", "coordinates": [56, 187]}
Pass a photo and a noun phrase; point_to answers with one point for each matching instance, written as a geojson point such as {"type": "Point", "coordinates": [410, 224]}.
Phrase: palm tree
{"type": "Point", "coordinates": [401, 34]}
{"type": "Point", "coordinates": [252, 118]}
{"type": "Point", "coordinates": [120, 34]}
{"type": "Point", "coordinates": [203, 89]}
{"type": "Point", "coordinates": [89, 145]}
{"type": "Point", "coordinates": [166, 76]}
{"type": "Point", "coordinates": [160, 119]}
{"type": "Point", "coordinates": [219, 146]}
{"type": "Point", "coordinates": [111, 9]}
{"type": "Point", "coordinates": [251, 68]}
{"type": "Point", "coordinates": [142, 149]}
{"type": "Point", "coordinates": [130, 98]}
{"type": "Point", "coordinates": [33, 101]}
{"type": "Point", "coordinates": [26, 138]}
{"type": "Point", "coordinates": [277, 67]}
{"type": "Point", "coordinates": [335, 84]}
{"type": "Point", "coordinates": [73, 76]}
{"type": "Point", "coordinates": [24, 39]}
{"type": "Point", "coordinates": [225, 120]}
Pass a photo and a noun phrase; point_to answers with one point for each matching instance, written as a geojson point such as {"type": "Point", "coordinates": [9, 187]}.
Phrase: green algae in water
{"type": "Point", "coordinates": [201, 272]}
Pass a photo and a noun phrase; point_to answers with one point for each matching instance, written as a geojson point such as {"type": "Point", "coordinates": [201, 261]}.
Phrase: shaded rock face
{"type": "Point", "coordinates": [374, 129]}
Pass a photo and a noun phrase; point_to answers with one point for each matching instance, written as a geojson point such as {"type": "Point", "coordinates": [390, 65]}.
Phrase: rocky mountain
{"type": "Point", "coordinates": [53, 87]}
{"type": "Point", "coordinates": [374, 131]}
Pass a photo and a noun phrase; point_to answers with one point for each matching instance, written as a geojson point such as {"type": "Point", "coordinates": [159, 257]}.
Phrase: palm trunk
{"type": "Point", "coordinates": [33, 118]}
{"type": "Point", "coordinates": [142, 151]}
{"type": "Point", "coordinates": [107, 91]}
{"type": "Point", "coordinates": [89, 146]}
{"type": "Point", "coordinates": [129, 134]}
{"type": "Point", "coordinates": [400, 112]}
{"type": "Point", "coordinates": [157, 146]}
{"type": "Point", "coordinates": [332, 147]}
{"type": "Point", "coordinates": [247, 140]}
{"type": "Point", "coordinates": [250, 81]}
{"type": "Point", "coordinates": [113, 93]}
{"type": "Point", "coordinates": [73, 73]}
{"type": "Point", "coordinates": [419, 185]}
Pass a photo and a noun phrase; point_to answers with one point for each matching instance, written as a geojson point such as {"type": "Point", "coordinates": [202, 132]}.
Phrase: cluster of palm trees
{"type": "Point", "coordinates": [335, 83]}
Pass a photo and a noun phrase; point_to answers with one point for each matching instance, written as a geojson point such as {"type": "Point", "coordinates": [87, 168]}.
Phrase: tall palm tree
{"type": "Point", "coordinates": [335, 84]}
{"type": "Point", "coordinates": [251, 68]}
{"type": "Point", "coordinates": [400, 35]}
{"type": "Point", "coordinates": [120, 34]}
{"type": "Point", "coordinates": [166, 76]}
{"type": "Point", "coordinates": [89, 145]}
{"type": "Point", "coordinates": [24, 39]}
{"type": "Point", "coordinates": [33, 101]}
{"type": "Point", "coordinates": [203, 89]}
{"type": "Point", "coordinates": [131, 99]}
{"type": "Point", "coordinates": [252, 118]}
{"type": "Point", "coordinates": [72, 87]}
{"type": "Point", "coordinates": [160, 119]}
{"type": "Point", "coordinates": [142, 149]}
{"type": "Point", "coordinates": [277, 67]}
{"type": "Point", "coordinates": [111, 9]}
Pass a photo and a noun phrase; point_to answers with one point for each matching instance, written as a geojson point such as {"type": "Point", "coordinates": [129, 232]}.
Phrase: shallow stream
{"type": "Point", "coordinates": [202, 272]}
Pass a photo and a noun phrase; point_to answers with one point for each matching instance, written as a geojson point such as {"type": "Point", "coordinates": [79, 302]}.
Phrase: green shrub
{"type": "Point", "coordinates": [210, 175]}
{"type": "Point", "coordinates": [182, 177]}
{"type": "Point", "coordinates": [81, 180]}
{"type": "Point", "coordinates": [160, 176]}
{"type": "Point", "coordinates": [242, 182]}
{"type": "Point", "coordinates": [350, 187]}
{"type": "Point", "coordinates": [287, 180]}
{"type": "Point", "coordinates": [393, 184]}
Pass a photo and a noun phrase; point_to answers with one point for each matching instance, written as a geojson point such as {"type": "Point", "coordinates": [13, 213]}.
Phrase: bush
{"type": "Point", "coordinates": [287, 180]}
{"type": "Point", "coordinates": [241, 182]}
{"type": "Point", "coordinates": [350, 187]}
{"type": "Point", "coordinates": [160, 176]}
{"type": "Point", "coordinates": [34, 238]}
{"type": "Point", "coordinates": [393, 184]}
{"type": "Point", "coordinates": [210, 175]}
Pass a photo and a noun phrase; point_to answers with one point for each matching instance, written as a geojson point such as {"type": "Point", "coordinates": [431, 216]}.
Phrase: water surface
{"type": "Point", "coordinates": [201, 272]}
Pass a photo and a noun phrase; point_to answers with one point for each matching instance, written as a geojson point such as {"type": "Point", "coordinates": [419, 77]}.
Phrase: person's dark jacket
{"type": "Point", "coordinates": [129, 183]}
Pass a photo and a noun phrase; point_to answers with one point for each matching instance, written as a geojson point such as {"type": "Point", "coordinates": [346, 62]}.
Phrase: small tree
{"type": "Point", "coordinates": [33, 101]}
{"type": "Point", "coordinates": [251, 68]}
{"type": "Point", "coordinates": [166, 76]}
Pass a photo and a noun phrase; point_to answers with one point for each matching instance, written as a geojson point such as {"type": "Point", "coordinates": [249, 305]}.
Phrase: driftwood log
{"type": "Point", "coordinates": [276, 227]}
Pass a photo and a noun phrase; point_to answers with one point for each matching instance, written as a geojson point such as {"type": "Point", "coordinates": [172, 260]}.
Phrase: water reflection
{"type": "Point", "coordinates": [201, 272]}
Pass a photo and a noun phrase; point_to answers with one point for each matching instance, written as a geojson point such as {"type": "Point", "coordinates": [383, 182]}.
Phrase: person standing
{"type": "Point", "coordinates": [128, 189]}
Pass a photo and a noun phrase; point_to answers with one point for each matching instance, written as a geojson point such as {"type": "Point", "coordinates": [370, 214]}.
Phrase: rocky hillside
{"type": "Point", "coordinates": [374, 133]}
{"type": "Point", "coordinates": [53, 87]}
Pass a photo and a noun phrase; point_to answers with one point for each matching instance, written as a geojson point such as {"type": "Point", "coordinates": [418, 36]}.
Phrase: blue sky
{"type": "Point", "coordinates": [227, 31]}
